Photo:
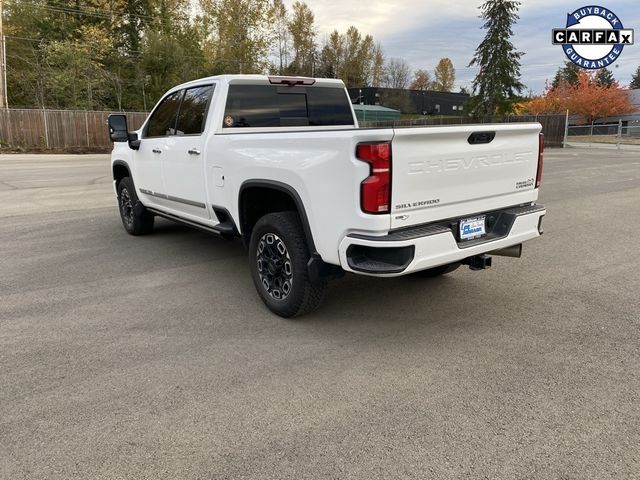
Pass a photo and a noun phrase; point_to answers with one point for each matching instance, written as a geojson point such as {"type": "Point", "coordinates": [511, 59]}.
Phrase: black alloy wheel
{"type": "Point", "coordinates": [278, 258]}
{"type": "Point", "coordinates": [136, 219]}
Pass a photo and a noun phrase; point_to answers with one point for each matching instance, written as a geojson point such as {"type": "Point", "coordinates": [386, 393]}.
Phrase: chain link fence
{"type": "Point", "coordinates": [621, 133]}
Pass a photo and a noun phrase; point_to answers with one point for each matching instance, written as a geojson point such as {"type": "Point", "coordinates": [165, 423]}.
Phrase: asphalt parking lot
{"type": "Point", "coordinates": [152, 357]}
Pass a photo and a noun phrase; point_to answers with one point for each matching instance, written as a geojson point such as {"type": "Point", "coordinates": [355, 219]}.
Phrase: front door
{"type": "Point", "coordinates": [149, 177]}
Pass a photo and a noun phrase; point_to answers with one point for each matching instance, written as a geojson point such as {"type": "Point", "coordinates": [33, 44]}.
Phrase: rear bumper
{"type": "Point", "coordinates": [425, 246]}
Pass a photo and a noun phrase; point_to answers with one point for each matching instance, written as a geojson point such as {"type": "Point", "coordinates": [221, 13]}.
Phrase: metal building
{"type": "Point", "coordinates": [375, 113]}
{"type": "Point", "coordinates": [421, 102]}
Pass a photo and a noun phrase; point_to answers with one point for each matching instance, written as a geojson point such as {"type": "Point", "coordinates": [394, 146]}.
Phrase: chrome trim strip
{"type": "Point", "coordinates": [186, 202]}
{"type": "Point", "coordinates": [172, 198]}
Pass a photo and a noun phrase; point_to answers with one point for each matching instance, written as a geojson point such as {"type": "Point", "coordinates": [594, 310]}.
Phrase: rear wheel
{"type": "Point", "coordinates": [136, 219]}
{"type": "Point", "coordinates": [278, 256]}
{"type": "Point", "coordinates": [437, 271]}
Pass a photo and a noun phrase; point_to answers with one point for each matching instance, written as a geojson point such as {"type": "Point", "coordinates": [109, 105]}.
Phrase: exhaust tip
{"type": "Point", "coordinates": [514, 251]}
{"type": "Point", "coordinates": [540, 229]}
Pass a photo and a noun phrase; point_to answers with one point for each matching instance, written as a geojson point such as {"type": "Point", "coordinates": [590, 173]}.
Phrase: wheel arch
{"type": "Point", "coordinates": [120, 170]}
{"type": "Point", "coordinates": [286, 197]}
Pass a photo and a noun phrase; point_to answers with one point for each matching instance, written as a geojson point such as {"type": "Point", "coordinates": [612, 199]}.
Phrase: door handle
{"type": "Point", "coordinates": [193, 151]}
{"type": "Point", "coordinates": [156, 150]}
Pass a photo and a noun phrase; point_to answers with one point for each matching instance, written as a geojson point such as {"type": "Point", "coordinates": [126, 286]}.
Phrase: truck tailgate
{"type": "Point", "coordinates": [451, 171]}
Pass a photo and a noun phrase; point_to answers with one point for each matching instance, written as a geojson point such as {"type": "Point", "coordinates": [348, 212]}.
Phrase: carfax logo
{"type": "Point", "coordinates": [593, 38]}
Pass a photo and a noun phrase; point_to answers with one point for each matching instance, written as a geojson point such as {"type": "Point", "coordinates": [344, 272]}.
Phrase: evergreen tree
{"type": "Point", "coordinates": [497, 84]}
{"type": "Point", "coordinates": [605, 78]}
{"type": "Point", "coordinates": [568, 74]}
{"type": "Point", "coordinates": [635, 80]}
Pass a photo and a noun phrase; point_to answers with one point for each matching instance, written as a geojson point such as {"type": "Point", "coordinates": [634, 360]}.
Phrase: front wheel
{"type": "Point", "coordinates": [136, 219]}
{"type": "Point", "coordinates": [278, 256]}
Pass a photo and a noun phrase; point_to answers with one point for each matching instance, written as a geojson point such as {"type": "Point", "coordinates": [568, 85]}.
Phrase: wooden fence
{"type": "Point", "coordinates": [553, 126]}
{"type": "Point", "coordinates": [79, 129]}
{"type": "Point", "coordinates": [58, 129]}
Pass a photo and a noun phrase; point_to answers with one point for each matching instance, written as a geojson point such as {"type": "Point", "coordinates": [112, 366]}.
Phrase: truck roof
{"type": "Point", "coordinates": [263, 79]}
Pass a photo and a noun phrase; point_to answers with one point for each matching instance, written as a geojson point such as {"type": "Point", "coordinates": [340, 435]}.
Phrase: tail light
{"type": "Point", "coordinates": [375, 190]}
{"type": "Point", "coordinates": [540, 159]}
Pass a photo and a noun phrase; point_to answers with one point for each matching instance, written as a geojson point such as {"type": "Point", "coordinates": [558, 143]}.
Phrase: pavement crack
{"type": "Point", "coordinates": [12, 187]}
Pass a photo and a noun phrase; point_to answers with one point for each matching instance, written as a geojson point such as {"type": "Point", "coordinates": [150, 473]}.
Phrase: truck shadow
{"type": "Point", "coordinates": [353, 300]}
{"type": "Point", "coordinates": [401, 299]}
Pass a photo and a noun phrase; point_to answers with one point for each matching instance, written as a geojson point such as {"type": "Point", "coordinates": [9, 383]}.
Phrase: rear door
{"type": "Point", "coordinates": [445, 172]}
{"type": "Point", "coordinates": [183, 158]}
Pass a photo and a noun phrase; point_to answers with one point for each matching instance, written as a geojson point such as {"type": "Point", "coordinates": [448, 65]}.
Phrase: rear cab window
{"type": "Point", "coordinates": [285, 106]}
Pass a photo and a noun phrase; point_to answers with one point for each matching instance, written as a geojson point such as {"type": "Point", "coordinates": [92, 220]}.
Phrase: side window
{"type": "Point", "coordinates": [163, 120]}
{"type": "Point", "coordinates": [193, 110]}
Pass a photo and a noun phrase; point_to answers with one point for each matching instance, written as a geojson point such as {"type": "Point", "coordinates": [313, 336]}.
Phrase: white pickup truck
{"type": "Point", "coordinates": [281, 163]}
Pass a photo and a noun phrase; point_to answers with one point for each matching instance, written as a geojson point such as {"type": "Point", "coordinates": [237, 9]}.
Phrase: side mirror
{"type": "Point", "coordinates": [118, 130]}
{"type": "Point", "coordinates": [134, 141]}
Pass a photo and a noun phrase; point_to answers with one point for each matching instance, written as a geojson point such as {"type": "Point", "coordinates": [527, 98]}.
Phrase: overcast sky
{"type": "Point", "coordinates": [422, 32]}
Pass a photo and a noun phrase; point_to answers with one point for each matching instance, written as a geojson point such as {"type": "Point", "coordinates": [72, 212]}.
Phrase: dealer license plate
{"type": "Point", "coordinates": [471, 228]}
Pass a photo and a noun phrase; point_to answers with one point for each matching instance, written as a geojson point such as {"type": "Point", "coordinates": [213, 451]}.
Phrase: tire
{"type": "Point", "coordinates": [437, 271]}
{"type": "Point", "coordinates": [136, 219]}
{"type": "Point", "coordinates": [278, 256]}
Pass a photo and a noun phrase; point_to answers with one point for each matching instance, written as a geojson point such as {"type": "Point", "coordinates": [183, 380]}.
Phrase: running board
{"type": "Point", "coordinates": [220, 229]}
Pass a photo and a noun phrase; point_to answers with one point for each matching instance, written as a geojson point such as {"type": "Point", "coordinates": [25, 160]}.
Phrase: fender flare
{"type": "Point", "coordinates": [120, 163]}
{"type": "Point", "coordinates": [289, 190]}
{"type": "Point", "coordinates": [319, 271]}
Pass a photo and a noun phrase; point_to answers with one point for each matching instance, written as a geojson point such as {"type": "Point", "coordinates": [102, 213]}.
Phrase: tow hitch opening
{"type": "Point", "coordinates": [478, 262]}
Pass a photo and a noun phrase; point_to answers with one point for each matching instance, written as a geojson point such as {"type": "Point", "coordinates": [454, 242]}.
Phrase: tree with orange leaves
{"type": "Point", "coordinates": [549, 102]}
{"type": "Point", "coordinates": [587, 99]}
{"type": "Point", "coordinates": [591, 101]}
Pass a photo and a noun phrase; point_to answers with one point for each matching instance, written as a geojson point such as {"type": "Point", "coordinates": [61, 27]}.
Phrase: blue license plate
{"type": "Point", "coordinates": [471, 228]}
